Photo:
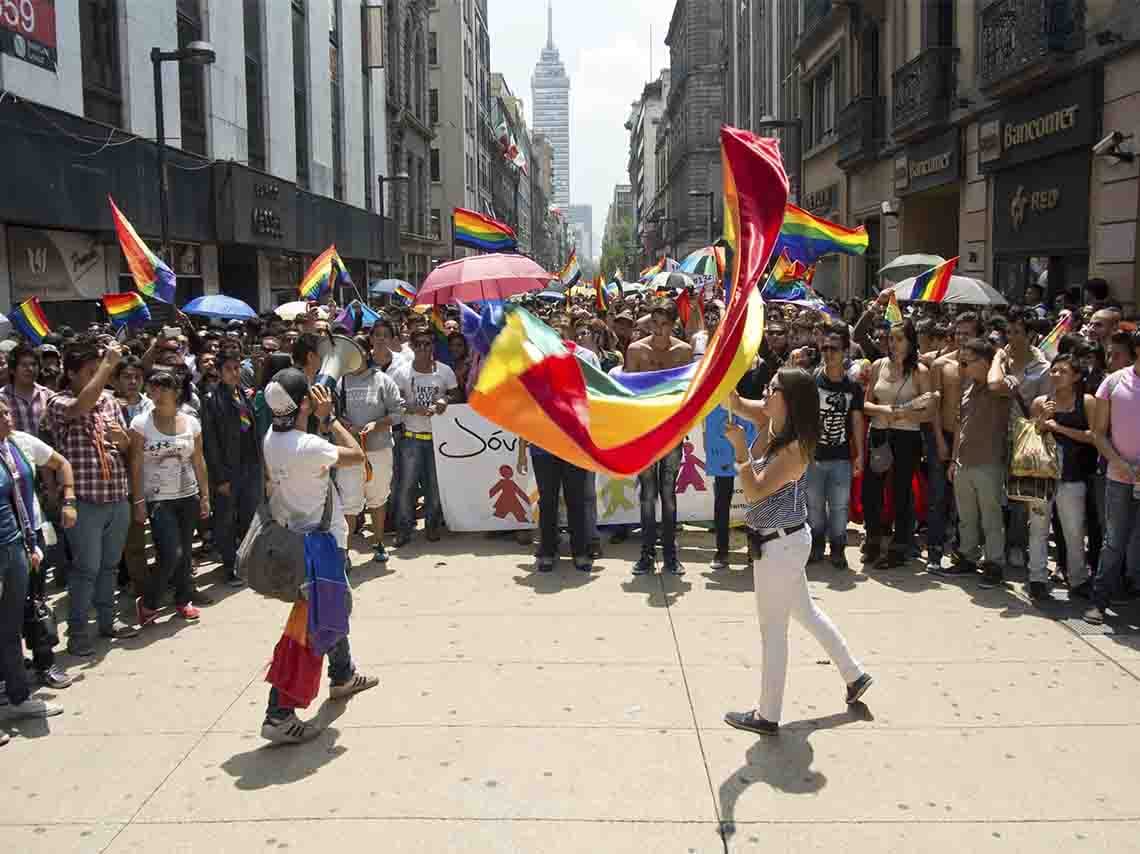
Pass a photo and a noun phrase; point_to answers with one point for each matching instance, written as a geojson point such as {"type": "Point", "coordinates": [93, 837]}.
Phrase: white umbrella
{"type": "Point", "coordinates": [910, 265]}
{"type": "Point", "coordinates": [962, 290]}
{"type": "Point", "coordinates": [669, 281]}
{"type": "Point", "coordinates": [290, 310]}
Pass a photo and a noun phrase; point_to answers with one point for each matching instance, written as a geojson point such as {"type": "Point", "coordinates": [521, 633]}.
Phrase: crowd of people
{"type": "Point", "coordinates": [182, 430]}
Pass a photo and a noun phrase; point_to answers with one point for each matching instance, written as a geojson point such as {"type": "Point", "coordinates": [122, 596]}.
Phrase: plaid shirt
{"type": "Point", "coordinates": [100, 468]}
{"type": "Point", "coordinates": [27, 413]}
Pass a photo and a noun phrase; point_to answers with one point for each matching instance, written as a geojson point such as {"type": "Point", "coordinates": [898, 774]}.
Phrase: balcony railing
{"type": "Point", "coordinates": [923, 89]}
{"type": "Point", "coordinates": [859, 129]}
{"type": "Point", "coordinates": [1016, 35]}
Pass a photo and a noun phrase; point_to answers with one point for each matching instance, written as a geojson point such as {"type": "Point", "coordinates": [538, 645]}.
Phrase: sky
{"type": "Point", "coordinates": [605, 46]}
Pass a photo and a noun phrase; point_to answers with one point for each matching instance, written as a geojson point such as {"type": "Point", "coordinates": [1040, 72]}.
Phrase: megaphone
{"type": "Point", "coordinates": [339, 356]}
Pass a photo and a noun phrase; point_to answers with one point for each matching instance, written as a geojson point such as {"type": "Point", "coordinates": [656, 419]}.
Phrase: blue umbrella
{"type": "Point", "coordinates": [387, 286]}
{"type": "Point", "coordinates": [219, 305]}
{"type": "Point", "coordinates": [553, 296]}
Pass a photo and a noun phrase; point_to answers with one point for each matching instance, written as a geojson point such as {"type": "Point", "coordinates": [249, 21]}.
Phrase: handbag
{"type": "Point", "coordinates": [1032, 454]}
{"type": "Point", "coordinates": [271, 558]}
{"type": "Point", "coordinates": [40, 628]}
{"type": "Point", "coordinates": [882, 457]}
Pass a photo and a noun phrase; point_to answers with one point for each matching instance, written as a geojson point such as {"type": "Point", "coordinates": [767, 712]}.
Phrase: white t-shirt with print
{"type": "Point", "coordinates": [298, 465]}
{"type": "Point", "coordinates": [36, 452]}
{"type": "Point", "coordinates": [168, 473]}
{"type": "Point", "coordinates": [420, 390]}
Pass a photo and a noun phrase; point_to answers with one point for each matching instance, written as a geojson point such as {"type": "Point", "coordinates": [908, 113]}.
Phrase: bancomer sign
{"type": "Point", "coordinates": [1040, 127]}
{"type": "Point", "coordinates": [1045, 124]}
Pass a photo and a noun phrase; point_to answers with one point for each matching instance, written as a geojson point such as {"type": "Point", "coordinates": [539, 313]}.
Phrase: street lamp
{"type": "Point", "coordinates": [711, 196]}
{"type": "Point", "coordinates": [195, 53]}
{"type": "Point", "coordinates": [399, 178]}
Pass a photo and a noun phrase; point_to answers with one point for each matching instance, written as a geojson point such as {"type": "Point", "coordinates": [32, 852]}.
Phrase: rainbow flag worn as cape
{"type": "Point", "coordinates": [532, 385]}
{"type": "Point", "coordinates": [805, 238]}
{"type": "Point", "coordinates": [29, 320]}
{"type": "Point", "coordinates": [152, 276]}
{"type": "Point", "coordinates": [932, 285]}
{"type": "Point", "coordinates": [125, 309]}
{"type": "Point", "coordinates": [893, 312]}
{"type": "Point", "coordinates": [481, 232]}
{"type": "Point", "coordinates": [1048, 345]}
{"type": "Point", "coordinates": [318, 279]}
{"type": "Point", "coordinates": [571, 273]}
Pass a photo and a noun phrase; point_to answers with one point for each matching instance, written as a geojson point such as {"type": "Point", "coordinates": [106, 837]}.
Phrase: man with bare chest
{"type": "Point", "coordinates": [946, 382]}
{"type": "Point", "coordinates": [655, 353]}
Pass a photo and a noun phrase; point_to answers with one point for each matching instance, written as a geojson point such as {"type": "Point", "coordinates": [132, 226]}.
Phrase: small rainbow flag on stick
{"type": "Point", "coordinates": [152, 276]}
{"type": "Point", "coordinates": [481, 232]}
{"type": "Point", "coordinates": [932, 285]}
{"type": "Point", "coordinates": [29, 320]}
{"type": "Point", "coordinates": [126, 309]}
{"type": "Point", "coordinates": [1049, 343]}
{"type": "Point", "coordinates": [406, 292]}
{"type": "Point", "coordinates": [893, 312]}
{"type": "Point", "coordinates": [318, 278]}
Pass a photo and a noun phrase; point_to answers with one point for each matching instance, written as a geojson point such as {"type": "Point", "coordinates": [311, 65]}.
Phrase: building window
{"type": "Point", "coordinates": [99, 42]}
{"type": "Point", "coordinates": [435, 164]}
{"type": "Point", "coordinates": [420, 76]}
{"type": "Point", "coordinates": [411, 192]}
{"type": "Point", "coordinates": [191, 80]}
{"type": "Point", "coordinates": [469, 175]}
{"type": "Point", "coordinates": [407, 61]}
{"type": "Point", "coordinates": [433, 49]}
{"type": "Point", "coordinates": [254, 106]}
{"type": "Point", "coordinates": [433, 106]}
{"type": "Point", "coordinates": [335, 101]}
{"type": "Point", "coordinates": [820, 92]}
{"type": "Point", "coordinates": [392, 58]}
{"type": "Point", "coordinates": [421, 194]}
{"type": "Point", "coordinates": [468, 66]}
{"type": "Point", "coordinates": [469, 115]}
{"type": "Point", "coordinates": [436, 223]}
{"type": "Point", "coordinates": [300, 93]}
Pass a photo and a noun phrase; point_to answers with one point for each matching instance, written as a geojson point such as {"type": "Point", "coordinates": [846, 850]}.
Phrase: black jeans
{"type": "Point", "coordinates": [552, 474]}
{"type": "Point", "coordinates": [906, 447]}
{"type": "Point", "coordinates": [43, 657]}
{"type": "Point", "coordinates": [660, 481]}
{"type": "Point", "coordinates": [172, 526]}
{"type": "Point", "coordinates": [14, 572]}
{"type": "Point", "coordinates": [234, 512]}
{"type": "Point", "coordinates": [723, 490]}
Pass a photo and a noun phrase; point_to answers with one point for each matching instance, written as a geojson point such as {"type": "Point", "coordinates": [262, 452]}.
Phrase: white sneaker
{"type": "Point", "coordinates": [31, 708]}
{"type": "Point", "coordinates": [354, 685]}
{"type": "Point", "coordinates": [718, 563]}
{"type": "Point", "coordinates": [290, 730]}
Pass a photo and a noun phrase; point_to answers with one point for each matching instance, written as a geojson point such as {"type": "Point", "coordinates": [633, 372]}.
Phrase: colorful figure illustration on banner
{"type": "Point", "coordinates": [512, 500]}
{"type": "Point", "coordinates": [614, 496]}
{"type": "Point", "coordinates": [688, 474]}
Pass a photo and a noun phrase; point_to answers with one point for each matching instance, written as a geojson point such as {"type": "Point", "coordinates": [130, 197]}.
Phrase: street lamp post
{"type": "Point", "coordinates": [711, 196]}
{"type": "Point", "coordinates": [797, 126]}
{"type": "Point", "coordinates": [398, 178]}
{"type": "Point", "coordinates": [195, 53]}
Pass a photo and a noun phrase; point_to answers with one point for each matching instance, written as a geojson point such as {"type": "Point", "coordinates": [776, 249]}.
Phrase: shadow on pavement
{"type": "Point", "coordinates": [783, 762]}
{"type": "Point", "coordinates": [563, 577]}
{"type": "Point", "coordinates": [281, 765]}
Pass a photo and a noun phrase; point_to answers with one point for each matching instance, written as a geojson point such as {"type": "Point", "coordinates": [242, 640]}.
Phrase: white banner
{"type": "Point", "coordinates": [481, 489]}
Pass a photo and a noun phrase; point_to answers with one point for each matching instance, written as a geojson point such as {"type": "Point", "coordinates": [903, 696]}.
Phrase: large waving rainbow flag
{"type": "Point", "coordinates": [805, 238]}
{"type": "Point", "coordinates": [932, 285]}
{"type": "Point", "coordinates": [29, 320]}
{"type": "Point", "coordinates": [471, 228]}
{"type": "Point", "coordinates": [152, 276]}
{"type": "Point", "coordinates": [571, 272]}
{"type": "Point", "coordinates": [318, 279]}
{"type": "Point", "coordinates": [532, 385]}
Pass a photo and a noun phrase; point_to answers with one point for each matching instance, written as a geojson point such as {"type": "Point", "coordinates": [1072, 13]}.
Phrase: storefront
{"type": "Point", "coordinates": [1038, 153]}
{"type": "Point", "coordinates": [927, 179]}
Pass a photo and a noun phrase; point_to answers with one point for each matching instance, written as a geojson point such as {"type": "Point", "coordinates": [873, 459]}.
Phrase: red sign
{"type": "Point", "coordinates": [27, 31]}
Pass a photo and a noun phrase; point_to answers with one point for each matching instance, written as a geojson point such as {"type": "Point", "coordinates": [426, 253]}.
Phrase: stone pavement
{"type": "Point", "coordinates": [571, 713]}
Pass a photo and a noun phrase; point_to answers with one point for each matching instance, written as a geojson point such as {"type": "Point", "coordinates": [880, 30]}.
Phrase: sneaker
{"type": "Point", "coordinates": [595, 549]}
{"type": "Point", "coordinates": [146, 615]}
{"type": "Point", "coordinates": [583, 564]}
{"type": "Point", "coordinates": [53, 678]}
{"type": "Point", "coordinates": [4, 738]}
{"type": "Point", "coordinates": [1039, 591]}
{"type": "Point", "coordinates": [402, 539]}
{"type": "Point", "coordinates": [1094, 615]}
{"type": "Point", "coordinates": [32, 708]}
{"type": "Point", "coordinates": [80, 647]}
{"type": "Point", "coordinates": [202, 600]}
{"type": "Point", "coordinates": [619, 536]}
{"type": "Point", "coordinates": [544, 564]}
{"type": "Point", "coordinates": [751, 722]}
{"type": "Point", "coordinates": [379, 554]}
{"type": "Point", "coordinates": [673, 566]}
{"type": "Point", "coordinates": [957, 568]}
{"type": "Point", "coordinates": [646, 565]}
{"type": "Point", "coordinates": [933, 560]}
{"type": "Point", "coordinates": [119, 631]}
{"type": "Point", "coordinates": [289, 730]}
{"type": "Point", "coordinates": [188, 612]}
{"type": "Point", "coordinates": [858, 688]}
{"type": "Point", "coordinates": [719, 562]}
{"type": "Point", "coordinates": [354, 685]}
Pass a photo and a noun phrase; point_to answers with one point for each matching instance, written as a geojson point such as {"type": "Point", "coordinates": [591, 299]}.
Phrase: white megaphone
{"type": "Point", "coordinates": [339, 356]}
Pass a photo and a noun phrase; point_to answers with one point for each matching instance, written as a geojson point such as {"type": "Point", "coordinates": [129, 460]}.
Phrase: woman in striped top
{"type": "Point", "coordinates": [773, 474]}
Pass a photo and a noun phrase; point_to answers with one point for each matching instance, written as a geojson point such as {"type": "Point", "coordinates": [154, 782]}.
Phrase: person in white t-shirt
{"type": "Point", "coordinates": [298, 466]}
{"type": "Point", "coordinates": [426, 386]}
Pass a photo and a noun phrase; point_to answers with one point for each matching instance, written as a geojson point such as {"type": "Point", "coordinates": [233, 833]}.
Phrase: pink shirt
{"type": "Point", "coordinates": [1122, 388]}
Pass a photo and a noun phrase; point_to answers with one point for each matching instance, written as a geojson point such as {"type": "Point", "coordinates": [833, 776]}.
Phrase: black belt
{"type": "Point", "coordinates": [778, 532]}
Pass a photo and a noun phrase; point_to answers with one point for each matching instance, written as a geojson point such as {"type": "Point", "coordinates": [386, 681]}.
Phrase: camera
{"type": "Point", "coordinates": [1108, 144]}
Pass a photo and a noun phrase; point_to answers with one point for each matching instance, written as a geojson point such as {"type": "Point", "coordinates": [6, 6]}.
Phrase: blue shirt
{"type": "Point", "coordinates": [9, 524]}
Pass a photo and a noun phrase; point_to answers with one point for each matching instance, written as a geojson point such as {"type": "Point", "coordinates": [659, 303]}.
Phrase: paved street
{"type": "Point", "coordinates": [567, 713]}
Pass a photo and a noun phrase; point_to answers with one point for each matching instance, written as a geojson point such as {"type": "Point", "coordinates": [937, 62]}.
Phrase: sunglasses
{"type": "Point", "coordinates": [829, 348]}
{"type": "Point", "coordinates": [779, 332]}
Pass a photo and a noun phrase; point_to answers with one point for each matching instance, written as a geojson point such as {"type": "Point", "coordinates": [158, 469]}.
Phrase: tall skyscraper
{"type": "Point", "coordinates": [550, 93]}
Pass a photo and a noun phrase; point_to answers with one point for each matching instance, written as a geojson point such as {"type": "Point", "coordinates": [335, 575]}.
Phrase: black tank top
{"type": "Point", "coordinates": [1078, 460]}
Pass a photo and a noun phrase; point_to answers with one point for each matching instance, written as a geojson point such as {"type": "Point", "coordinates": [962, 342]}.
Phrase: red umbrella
{"type": "Point", "coordinates": [482, 277]}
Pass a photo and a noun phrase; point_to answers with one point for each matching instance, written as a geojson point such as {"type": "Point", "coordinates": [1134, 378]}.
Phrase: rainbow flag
{"type": "Point", "coordinates": [601, 298]}
{"type": "Point", "coordinates": [442, 351]}
{"type": "Point", "coordinates": [571, 272]}
{"type": "Point", "coordinates": [806, 238]}
{"type": "Point", "coordinates": [125, 309]}
{"type": "Point", "coordinates": [790, 281]}
{"type": "Point", "coordinates": [932, 285]}
{"type": "Point", "coordinates": [325, 269]}
{"type": "Point", "coordinates": [29, 320]}
{"type": "Point", "coordinates": [1048, 345]}
{"type": "Point", "coordinates": [470, 228]}
{"type": "Point", "coordinates": [406, 292]}
{"type": "Point", "coordinates": [532, 385]}
{"type": "Point", "coordinates": [893, 313]}
{"type": "Point", "coordinates": [152, 276]}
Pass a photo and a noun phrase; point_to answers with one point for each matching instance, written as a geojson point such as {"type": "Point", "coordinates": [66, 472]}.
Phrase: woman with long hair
{"type": "Point", "coordinates": [773, 473]}
{"type": "Point", "coordinates": [898, 402]}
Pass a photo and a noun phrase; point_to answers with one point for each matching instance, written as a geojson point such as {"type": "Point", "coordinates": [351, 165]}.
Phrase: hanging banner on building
{"type": "Point", "coordinates": [27, 31]}
{"type": "Point", "coordinates": [481, 489]}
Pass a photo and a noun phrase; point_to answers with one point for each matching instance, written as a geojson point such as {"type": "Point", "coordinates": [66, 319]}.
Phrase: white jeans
{"type": "Point", "coordinates": [1070, 501]}
{"type": "Point", "coordinates": [782, 592]}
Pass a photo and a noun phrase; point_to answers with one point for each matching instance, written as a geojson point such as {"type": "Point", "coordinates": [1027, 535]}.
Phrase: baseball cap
{"type": "Point", "coordinates": [626, 315]}
{"type": "Point", "coordinates": [284, 394]}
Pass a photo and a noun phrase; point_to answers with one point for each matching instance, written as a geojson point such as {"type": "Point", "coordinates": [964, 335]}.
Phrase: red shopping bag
{"type": "Point", "coordinates": [295, 670]}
